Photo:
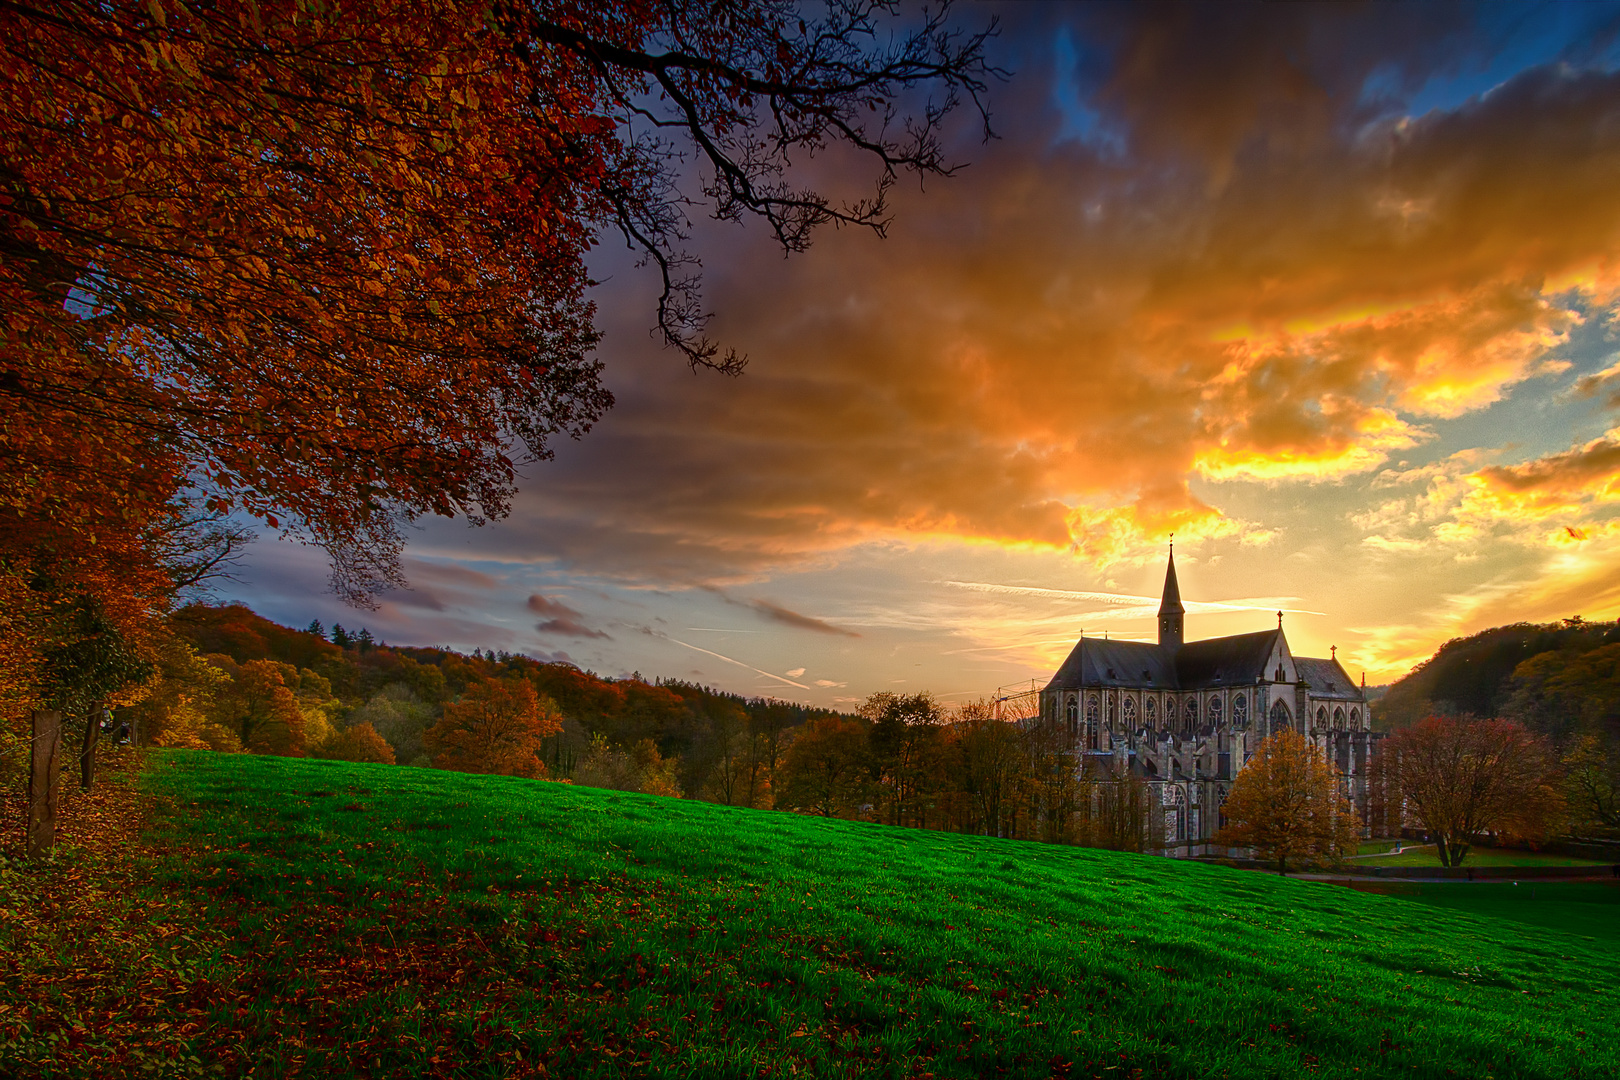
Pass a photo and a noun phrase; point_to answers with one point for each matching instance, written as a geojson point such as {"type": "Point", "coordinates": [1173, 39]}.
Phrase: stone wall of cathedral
{"type": "Point", "coordinates": [1190, 744]}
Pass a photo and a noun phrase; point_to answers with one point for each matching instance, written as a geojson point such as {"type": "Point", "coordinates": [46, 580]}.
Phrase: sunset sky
{"type": "Point", "coordinates": [1327, 290]}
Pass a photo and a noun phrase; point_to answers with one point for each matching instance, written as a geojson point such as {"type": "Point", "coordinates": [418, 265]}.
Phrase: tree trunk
{"type": "Point", "coordinates": [44, 764]}
{"type": "Point", "coordinates": [87, 755]}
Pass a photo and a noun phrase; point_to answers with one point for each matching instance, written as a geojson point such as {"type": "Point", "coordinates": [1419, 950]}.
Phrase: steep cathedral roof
{"type": "Point", "coordinates": [1227, 661]}
{"type": "Point", "coordinates": [1238, 660]}
{"type": "Point", "coordinates": [1171, 604]}
{"type": "Point", "coordinates": [1099, 662]}
{"type": "Point", "coordinates": [1223, 661]}
{"type": "Point", "coordinates": [1327, 678]}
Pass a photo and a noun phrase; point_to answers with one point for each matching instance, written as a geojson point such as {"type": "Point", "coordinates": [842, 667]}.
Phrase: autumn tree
{"type": "Point", "coordinates": [1592, 771]}
{"type": "Point", "coordinates": [1564, 693]}
{"type": "Point", "coordinates": [655, 773]}
{"type": "Point", "coordinates": [1119, 813]}
{"type": "Point", "coordinates": [260, 707]}
{"type": "Point", "coordinates": [641, 767]}
{"type": "Point", "coordinates": [361, 743]}
{"type": "Point", "coordinates": [770, 732]}
{"type": "Point", "coordinates": [1052, 786]}
{"type": "Point", "coordinates": [1465, 777]}
{"type": "Point", "coordinates": [604, 765]}
{"type": "Point", "coordinates": [1286, 805]}
{"type": "Point", "coordinates": [179, 705]}
{"type": "Point", "coordinates": [400, 717]}
{"type": "Point", "coordinates": [495, 727]}
{"type": "Point", "coordinates": [826, 768]}
{"type": "Point", "coordinates": [906, 751]}
{"type": "Point", "coordinates": [727, 745]}
{"type": "Point", "coordinates": [991, 762]}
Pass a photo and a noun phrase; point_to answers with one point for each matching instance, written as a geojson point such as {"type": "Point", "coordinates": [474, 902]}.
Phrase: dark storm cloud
{"type": "Point", "coordinates": [563, 619]}
{"type": "Point", "coordinates": [777, 613]}
{"type": "Point", "coordinates": [417, 598]}
{"type": "Point", "coordinates": [1273, 273]}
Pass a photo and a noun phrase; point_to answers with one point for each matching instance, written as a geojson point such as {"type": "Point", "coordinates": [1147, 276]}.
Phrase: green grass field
{"type": "Point", "coordinates": [1426, 855]}
{"type": "Point", "coordinates": [1588, 908]}
{"type": "Point", "coordinates": [324, 919]}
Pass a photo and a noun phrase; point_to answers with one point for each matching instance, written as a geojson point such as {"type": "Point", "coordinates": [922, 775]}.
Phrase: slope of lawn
{"type": "Point", "coordinates": [326, 919]}
{"type": "Point", "coordinates": [1427, 855]}
{"type": "Point", "coordinates": [1587, 908]}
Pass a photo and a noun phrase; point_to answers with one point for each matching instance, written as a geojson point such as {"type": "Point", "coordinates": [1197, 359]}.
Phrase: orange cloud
{"type": "Point", "coordinates": [1570, 484]}
{"type": "Point", "coordinates": [1052, 348]}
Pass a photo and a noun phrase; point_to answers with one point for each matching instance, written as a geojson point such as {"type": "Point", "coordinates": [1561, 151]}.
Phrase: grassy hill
{"type": "Point", "coordinates": [326, 919]}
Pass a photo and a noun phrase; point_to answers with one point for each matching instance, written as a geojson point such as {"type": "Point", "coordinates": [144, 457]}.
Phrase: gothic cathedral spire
{"type": "Point", "coordinates": [1171, 613]}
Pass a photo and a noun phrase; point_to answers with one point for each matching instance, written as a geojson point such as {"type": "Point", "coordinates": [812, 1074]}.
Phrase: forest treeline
{"type": "Point", "coordinates": [230, 680]}
{"type": "Point", "coordinates": [1557, 682]}
{"type": "Point", "coordinates": [1552, 676]}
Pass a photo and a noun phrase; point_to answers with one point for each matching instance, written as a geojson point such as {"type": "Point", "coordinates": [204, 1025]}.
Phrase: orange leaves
{"type": "Point", "coordinates": [1463, 777]}
{"type": "Point", "coordinates": [495, 727]}
{"type": "Point", "coordinates": [253, 198]}
{"type": "Point", "coordinates": [1286, 804]}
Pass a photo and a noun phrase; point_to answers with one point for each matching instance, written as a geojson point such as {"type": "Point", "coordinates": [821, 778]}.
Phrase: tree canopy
{"type": "Point", "coordinates": [1465, 777]}
{"type": "Point", "coordinates": [323, 265]}
{"type": "Point", "coordinates": [1286, 805]}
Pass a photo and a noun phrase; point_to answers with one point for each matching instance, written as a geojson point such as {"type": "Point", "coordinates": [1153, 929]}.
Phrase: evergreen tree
{"type": "Point", "coordinates": [340, 636]}
{"type": "Point", "coordinates": [316, 628]}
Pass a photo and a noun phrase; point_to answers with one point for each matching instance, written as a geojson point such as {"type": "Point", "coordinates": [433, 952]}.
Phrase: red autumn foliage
{"type": "Point", "coordinates": [1462, 777]}
{"type": "Point", "coordinates": [360, 743]}
{"type": "Point", "coordinates": [263, 712]}
{"type": "Point", "coordinates": [496, 727]}
{"type": "Point", "coordinates": [326, 284]}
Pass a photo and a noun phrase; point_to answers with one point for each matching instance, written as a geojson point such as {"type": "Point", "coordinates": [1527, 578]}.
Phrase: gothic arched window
{"type": "Point", "coordinates": [1151, 711]}
{"type": "Point", "coordinates": [1215, 712]}
{"type": "Point", "coordinates": [1192, 714]}
{"type": "Point", "coordinates": [1074, 714]}
{"type": "Point", "coordinates": [1091, 710]}
{"type": "Point", "coordinates": [1278, 718]}
{"type": "Point", "coordinates": [1338, 719]}
{"type": "Point", "coordinates": [1127, 712]}
{"type": "Point", "coordinates": [1321, 716]}
{"type": "Point", "coordinates": [1111, 707]}
{"type": "Point", "coordinates": [1355, 719]}
{"type": "Point", "coordinates": [1240, 710]}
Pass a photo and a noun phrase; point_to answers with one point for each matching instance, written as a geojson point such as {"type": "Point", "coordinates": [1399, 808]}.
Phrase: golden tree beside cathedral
{"type": "Point", "coordinates": [1286, 804]}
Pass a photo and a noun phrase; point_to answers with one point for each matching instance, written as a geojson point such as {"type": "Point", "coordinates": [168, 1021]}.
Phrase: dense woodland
{"type": "Point", "coordinates": [1559, 683]}
{"type": "Point", "coordinates": [231, 681]}
{"type": "Point", "coordinates": [1505, 671]}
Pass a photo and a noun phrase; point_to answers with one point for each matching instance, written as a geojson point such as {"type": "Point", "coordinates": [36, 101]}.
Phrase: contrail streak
{"type": "Point", "coordinates": [739, 663]}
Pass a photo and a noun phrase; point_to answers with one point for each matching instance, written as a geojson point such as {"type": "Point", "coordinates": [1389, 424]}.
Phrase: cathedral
{"type": "Point", "coordinates": [1185, 715]}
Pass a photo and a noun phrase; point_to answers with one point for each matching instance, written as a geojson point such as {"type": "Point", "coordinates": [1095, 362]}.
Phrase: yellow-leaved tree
{"type": "Point", "coordinates": [1286, 805]}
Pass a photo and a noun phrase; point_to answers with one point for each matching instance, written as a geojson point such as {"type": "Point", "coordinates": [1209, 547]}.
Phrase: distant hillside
{"type": "Point", "coordinates": [1472, 674]}
{"type": "Point", "coordinates": [701, 734]}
